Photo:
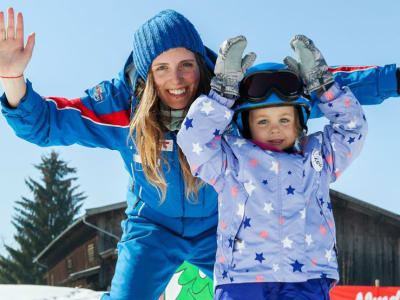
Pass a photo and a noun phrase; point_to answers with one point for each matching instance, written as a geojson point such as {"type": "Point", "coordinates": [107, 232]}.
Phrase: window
{"type": "Point", "coordinates": [69, 265]}
{"type": "Point", "coordinates": [90, 252]}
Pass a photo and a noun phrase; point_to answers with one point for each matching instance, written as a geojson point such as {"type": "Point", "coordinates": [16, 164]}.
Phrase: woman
{"type": "Point", "coordinates": [171, 217]}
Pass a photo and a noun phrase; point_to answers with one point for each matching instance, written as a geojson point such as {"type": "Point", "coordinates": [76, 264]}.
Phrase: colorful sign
{"type": "Point", "coordinates": [344, 292]}
{"type": "Point", "coordinates": [189, 283]}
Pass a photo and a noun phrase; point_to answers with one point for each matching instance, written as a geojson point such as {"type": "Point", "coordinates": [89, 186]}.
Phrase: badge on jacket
{"type": "Point", "coordinates": [316, 160]}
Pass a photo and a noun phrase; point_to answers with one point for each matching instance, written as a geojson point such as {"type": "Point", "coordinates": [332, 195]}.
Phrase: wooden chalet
{"type": "Point", "coordinates": [368, 243]}
{"type": "Point", "coordinates": [85, 253]}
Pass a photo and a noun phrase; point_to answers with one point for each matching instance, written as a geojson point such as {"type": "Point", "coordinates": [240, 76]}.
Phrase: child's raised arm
{"type": "Point", "coordinates": [200, 136]}
{"type": "Point", "coordinates": [343, 138]}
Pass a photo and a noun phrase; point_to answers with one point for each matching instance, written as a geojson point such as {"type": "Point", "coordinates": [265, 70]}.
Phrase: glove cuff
{"type": "Point", "coordinates": [225, 86]}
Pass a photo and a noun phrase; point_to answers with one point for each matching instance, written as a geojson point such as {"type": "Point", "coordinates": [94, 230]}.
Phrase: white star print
{"type": "Point", "coordinates": [333, 146]}
{"type": "Point", "coordinates": [275, 167]}
{"type": "Point", "coordinates": [351, 125]}
{"type": "Point", "coordinates": [239, 142]}
{"type": "Point", "coordinates": [336, 125]}
{"type": "Point", "coordinates": [308, 239]}
{"type": "Point", "coordinates": [319, 138]}
{"type": "Point", "coordinates": [207, 107]}
{"type": "Point", "coordinates": [303, 213]}
{"type": "Point", "coordinates": [268, 207]}
{"type": "Point", "coordinates": [227, 115]}
{"type": "Point", "coordinates": [275, 267]}
{"type": "Point", "coordinates": [240, 211]}
{"type": "Point", "coordinates": [240, 246]}
{"type": "Point", "coordinates": [287, 243]}
{"type": "Point", "coordinates": [250, 187]}
{"type": "Point", "coordinates": [328, 255]}
{"type": "Point", "coordinates": [196, 148]}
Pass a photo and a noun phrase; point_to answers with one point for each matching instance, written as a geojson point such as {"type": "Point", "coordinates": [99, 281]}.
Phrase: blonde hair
{"type": "Point", "coordinates": [146, 123]}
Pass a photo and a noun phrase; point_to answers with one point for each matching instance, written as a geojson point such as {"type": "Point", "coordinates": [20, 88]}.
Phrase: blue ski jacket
{"type": "Point", "coordinates": [101, 118]}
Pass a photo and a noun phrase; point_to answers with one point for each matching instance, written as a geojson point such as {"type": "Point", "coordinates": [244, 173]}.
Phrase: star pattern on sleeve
{"type": "Point", "coordinates": [188, 123]}
{"type": "Point", "coordinates": [207, 107]}
{"type": "Point", "coordinates": [196, 148]}
{"type": "Point", "coordinates": [351, 140]}
{"type": "Point", "coordinates": [227, 115]}
{"type": "Point", "coordinates": [239, 142]}
{"type": "Point", "coordinates": [351, 125]}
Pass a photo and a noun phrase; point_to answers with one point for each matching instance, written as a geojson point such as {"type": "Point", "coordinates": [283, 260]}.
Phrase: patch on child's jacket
{"type": "Point", "coordinates": [98, 92]}
{"type": "Point", "coordinates": [167, 145]}
{"type": "Point", "coordinates": [316, 160]}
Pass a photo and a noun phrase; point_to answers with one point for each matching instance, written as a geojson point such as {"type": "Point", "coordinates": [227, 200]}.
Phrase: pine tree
{"type": "Point", "coordinates": [39, 220]}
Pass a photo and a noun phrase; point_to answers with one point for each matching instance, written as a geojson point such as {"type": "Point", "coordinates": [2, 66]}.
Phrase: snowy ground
{"type": "Point", "coordinates": [42, 292]}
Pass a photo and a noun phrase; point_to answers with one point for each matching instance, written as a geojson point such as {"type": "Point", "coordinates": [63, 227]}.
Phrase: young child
{"type": "Point", "coordinates": [276, 232]}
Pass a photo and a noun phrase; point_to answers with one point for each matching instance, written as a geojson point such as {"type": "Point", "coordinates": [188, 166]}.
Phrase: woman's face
{"type": "Point", "coordinates": [176, 76]}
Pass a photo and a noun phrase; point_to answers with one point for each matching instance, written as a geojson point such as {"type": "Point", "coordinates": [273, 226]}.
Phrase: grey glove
{"type": "Point", "coordinates": [311, 65]}
{"type": "Point", "coordinates": [230, 67]}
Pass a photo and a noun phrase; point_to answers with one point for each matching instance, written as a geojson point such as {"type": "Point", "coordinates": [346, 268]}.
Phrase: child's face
{"type": "Point", "coordinates": [276, 126]}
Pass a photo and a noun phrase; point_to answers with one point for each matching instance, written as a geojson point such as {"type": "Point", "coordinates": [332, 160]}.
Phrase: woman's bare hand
{"type": "Point", "coordinates": [14, 57]}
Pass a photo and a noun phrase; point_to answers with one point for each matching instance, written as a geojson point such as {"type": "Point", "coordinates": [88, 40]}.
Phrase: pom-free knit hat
{"type": "Point", "coordinates": [166, 30]}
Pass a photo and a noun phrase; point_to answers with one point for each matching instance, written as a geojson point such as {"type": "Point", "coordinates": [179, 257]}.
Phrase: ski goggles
{"type": "Point", "coordinates": [258, 86]}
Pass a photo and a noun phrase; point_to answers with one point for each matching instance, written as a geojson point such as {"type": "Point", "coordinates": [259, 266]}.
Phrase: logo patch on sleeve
{"type": "Point", "coordinates": [98, 93]}
{"type": "Point", "coordinates": [316, 160]}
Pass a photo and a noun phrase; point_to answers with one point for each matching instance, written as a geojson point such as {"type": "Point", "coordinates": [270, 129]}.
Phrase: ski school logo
{"type": "Point", "coordinates": [316, 160]}
{"type": "Point", "coordinates": [98, 93]}
{"type": "Point", "coordinates": [167, 145]}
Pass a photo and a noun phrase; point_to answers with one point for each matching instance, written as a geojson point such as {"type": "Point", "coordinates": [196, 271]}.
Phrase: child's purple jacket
{"type": "Point", "coordinates": [275, 215]}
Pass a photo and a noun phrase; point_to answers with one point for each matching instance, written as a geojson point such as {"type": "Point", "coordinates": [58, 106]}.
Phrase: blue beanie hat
{"type": "Point", "coordinates": [166, 30]}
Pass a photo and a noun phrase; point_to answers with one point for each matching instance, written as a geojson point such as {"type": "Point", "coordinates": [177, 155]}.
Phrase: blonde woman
{"type": "Point", "coordinates": [171, 215]}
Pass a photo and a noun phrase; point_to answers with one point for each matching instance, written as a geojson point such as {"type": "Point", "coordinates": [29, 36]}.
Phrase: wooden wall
{"type": "Point", "coordinates": [368, 245]}
{"type": "Point", "coordinates": [80, 262]}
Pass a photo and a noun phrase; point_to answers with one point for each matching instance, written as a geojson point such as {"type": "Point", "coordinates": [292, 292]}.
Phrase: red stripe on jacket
{"type": "Point", "coordinates": [348, 69]}
{"type": "Point", "coordinates": [119, 118]}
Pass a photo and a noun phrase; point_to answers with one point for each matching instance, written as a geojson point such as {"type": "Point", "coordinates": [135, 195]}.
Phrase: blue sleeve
{"type": "Point", "coordinates": [369, 84]}
{"type": "Point", "coordinates": [98, 119]}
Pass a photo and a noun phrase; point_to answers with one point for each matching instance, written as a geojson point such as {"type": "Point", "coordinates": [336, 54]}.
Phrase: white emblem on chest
{"type": "Point", "coordinates": [316, 160]}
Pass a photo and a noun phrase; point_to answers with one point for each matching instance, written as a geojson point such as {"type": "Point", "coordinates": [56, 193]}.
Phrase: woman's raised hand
{"type": "Point", "coordinates": [14, 57]}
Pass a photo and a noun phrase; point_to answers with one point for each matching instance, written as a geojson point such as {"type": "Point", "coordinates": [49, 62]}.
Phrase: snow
{"type": "Point", "coordinates": [42, 292]}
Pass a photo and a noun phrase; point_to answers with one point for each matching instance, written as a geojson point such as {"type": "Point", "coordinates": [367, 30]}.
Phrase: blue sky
{"type": "Point", "coordinates": [80, 43]}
